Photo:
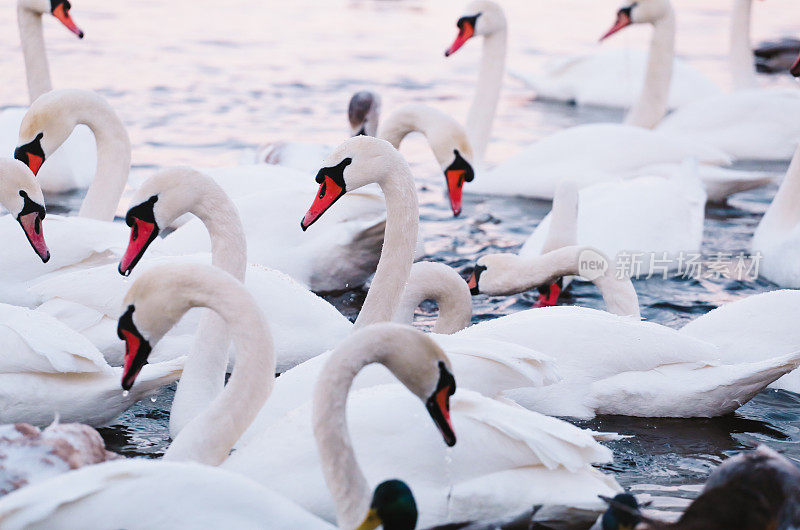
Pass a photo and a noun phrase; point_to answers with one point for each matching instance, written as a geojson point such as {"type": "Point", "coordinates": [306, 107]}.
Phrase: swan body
{"type": "Point", "coordinates": [504, 461]}
{"type": "Point", "coordinates": [753, 124]}
{"type": "Point", "coordinates": [30, 455]}
{"type": "Point", "coordinates": [613, 78]}
{"type": "Point", "coordinates": [180, 495]}
{"type": "Point", "coordinates": [51, 371]}
{"type": "Point", "coordinates": [652, 217]}
{"type": "Point", "coordinates": [611, 364]}
{"type": "Point", "coordinates": [758, 325]}
{"type": "Point", "coordinates": [777, 236]}
{"type": "Point", "coordinates": [72, 166]}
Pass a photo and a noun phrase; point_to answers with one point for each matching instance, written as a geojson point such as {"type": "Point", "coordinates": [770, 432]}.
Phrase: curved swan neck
{"type": "Point", "coordinates": [401, 350]}
{"type": "Point", "coordinates": [209, 437]}
{"type": "Point", "coordinates": [618, 293]}
{"type": "Point", "coordinates": [399, 244]}
{"type": "Point", "coordinates": [652, 104]}
{"type": "Point", "coordinates": [31, 35]}
{"type": "Point", "coordinates": [204, 372]}
{"type": "Point", "coordinates": [113, 154]}
{"type": "Point", "coordinates": [442, 131]}
{"type": "Point", "coordinates": [487, 92]}
{"type": "Point", "coordinates": [440, 283]}
{"type": "Point", "coordinates": [742, 66]}
{"type": "Point", "coordinates": [783, 214]}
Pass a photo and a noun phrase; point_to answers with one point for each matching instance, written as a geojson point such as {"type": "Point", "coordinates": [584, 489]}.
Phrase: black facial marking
{"type": "Point", "coordinates": [461, 163]}
{"type": "Point", "coordinates": [143, 211]}
{"type": "Point", "coordinates": [33, 147]}
{"type": "Point", "coordinates": [362, 131]}
{"type": "Point", "coordinates": [55, 3]}
{"type": "Point", "coordinates": [335, 173]}
{"type": "Point", "coordinates": [30, 206]}
{"type": "Point", "coordinates": [472, 20]}
{"type": "Point", "coordinates": [477, 272]}
{"type": "Point", "coordinates": [627, 10]}
{"type": "Point", "coordinates": [446, 381]}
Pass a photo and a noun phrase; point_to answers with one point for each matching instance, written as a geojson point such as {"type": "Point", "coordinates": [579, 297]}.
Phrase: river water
{"type": "Point", "coordinates": [204, 83]}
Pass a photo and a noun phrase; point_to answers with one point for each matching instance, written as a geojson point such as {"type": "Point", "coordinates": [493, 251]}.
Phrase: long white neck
{"type": "Point", "coordinates": [388, 344]}
{"type": "Point", "coordinates": [487, 92]}
{"type": "Point", "coordinates": [31, 37]}
{"type": "Point", "coordinates": [209, 437]}
{"type": "Point", "coordinates": [204, 372]}
{"type": "Point", "coordinates": [113, 154]}
{"type": "Point", "coordinates": [743, 70]}
{"type": "Point", "coordinates": [442, 131]}
{"type": "Point", "coordinates": [651, 106]}
{"type": "Point", "coordinates": [563, 230]}
{"type": "Point", "coordinates": [438, 282]}
{"type": "Point", "coordinates": [618, 293]}
{"type": "Point", "coordinates": [783, 214]}
{"type": "Point", "coordinates": [399, 244]}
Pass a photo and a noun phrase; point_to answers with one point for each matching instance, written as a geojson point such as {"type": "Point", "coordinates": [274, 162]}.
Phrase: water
{"type": "Point", "coordinates": [203, 83]}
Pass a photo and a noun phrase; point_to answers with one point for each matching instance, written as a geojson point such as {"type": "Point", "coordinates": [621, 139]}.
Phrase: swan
{"type": "Point", "coordinates": [28, 455]}
{"type": "Point", "coordinates": [72, 166]}
{"type": "Point", "coordinates": [487, 367]}
{"type": "Point", "coordinates": [749, 123]}
{"type": "Point", "coordinates": [22, 197]}
{"type": "Point", "coordinates": [598, 152]}
{"type": "Point", "coordinates": [613, 363]}
{"type": "Point", "coordinates": [545, 450]}
{"type": "Point", "coordinates": [754, 490]}
{"type": "Point", "coordinates": [777, 236]}
{"type": "Point", "coordinates": [654, 218]}
{"type": "Point", "coordinates": [90, 238]}
{"type": "Point", "coordinates": [363, 114]}
{"type": "Point", "coordinates": [155, 302]}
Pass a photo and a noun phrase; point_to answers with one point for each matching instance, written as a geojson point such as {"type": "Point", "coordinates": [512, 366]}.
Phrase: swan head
{"type": "Point", "coordinates": [21, 195]}
{"type": "Point", "coordinates": [639, 12]}
{"type": "Point", "coordinates": [48, 123]}
{"type": "Point", "coordinates": [481, 17]}
{"type": "Point", "coordinates": [364, 112]}
{"type": "Point", "coordinates": [57, 8]}
{"type": "Point", "coordinates": [506, 274]}
{"type": "Point", "coordinates": [160, 200]}
{"type": "Point", "coordinates": [358, 161]}
{"type": "Point", "coordinates": [392, 506]}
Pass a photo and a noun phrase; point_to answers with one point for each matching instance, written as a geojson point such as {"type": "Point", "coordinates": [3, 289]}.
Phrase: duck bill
{"type": "Point", "coordinates": [465, 32]}
{"type": "Point", "coordinates": [329, 193]}
{"type": "Point", "coordinates": [31, 224]}
{"type": "Point", "coordinates": [142, 234]}
{"type": "Point", "coordinates": [371, 521]}
{"type": "Point", "coordinates": [62, 14]}
{"type": "Point", "coordinates": [795, 69]}
{"type": "Point", "coordinates": [455, 188]}
{"type": "Point", "coordinates": [623, 21]}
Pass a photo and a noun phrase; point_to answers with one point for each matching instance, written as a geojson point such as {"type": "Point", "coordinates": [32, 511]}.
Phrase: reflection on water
{"type": "Point", "coordinates": [202, 86]}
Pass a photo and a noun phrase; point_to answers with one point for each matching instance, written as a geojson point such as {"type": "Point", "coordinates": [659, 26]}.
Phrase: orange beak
{"type": "Point", "coordinates": [455, 187]}
{"type": "Point", "coordinates": [329, 193]}
{"type": "Point", "coordinates": [623, 21]}
{"type": "Point", "coordinates": [61, 12]}
{"type": "Point", "coordinates": [142, 234]}
{"type": "Point", "coordinates": [550, 298]}
{"type": "Point", "coordinates": [466, 30]}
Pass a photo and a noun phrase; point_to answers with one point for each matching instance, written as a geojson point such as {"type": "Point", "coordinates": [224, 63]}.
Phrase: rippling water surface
{"type": "Point", "coordinates": [204, 83]}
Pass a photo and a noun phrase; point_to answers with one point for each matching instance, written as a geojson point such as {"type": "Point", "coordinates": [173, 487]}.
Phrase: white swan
{"type": "Point", "coordinates": [487, 367]}
{"type": "Point", "coordinates": [29, 455]}
{"type": "Point", "coordinates": [72, 167]}
{"type": "Point", "coordinates": [750, 123]}
{"type": "Point", "coordinates": [90, 238]}
{"type": "Point", "coordinates": [777, 237]}
{"type": "Point", "coordinates": [597, 152]}
{"type": "Point", "coordinates": [363, 115]}
{"type": "Point", "coordinates": [612, 364]}
{"type": "Point", "coordinates": [651, 219]}
{"type": "Point", "coordinates": [545, 450]}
